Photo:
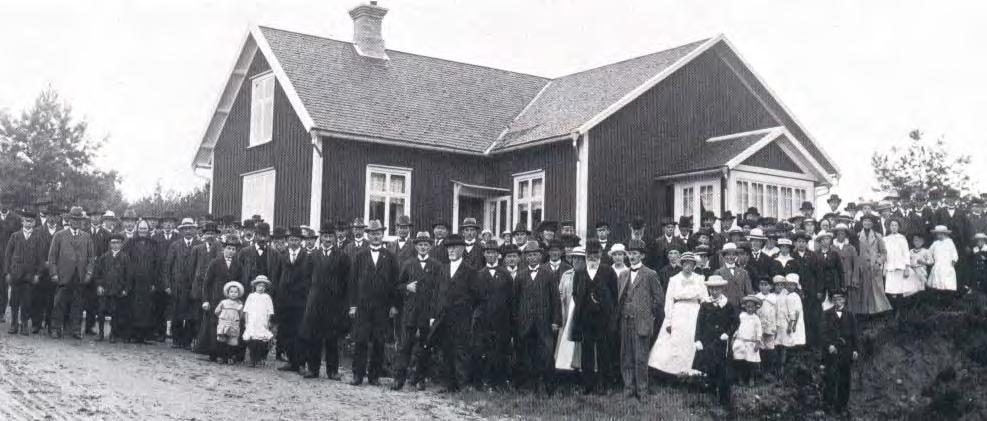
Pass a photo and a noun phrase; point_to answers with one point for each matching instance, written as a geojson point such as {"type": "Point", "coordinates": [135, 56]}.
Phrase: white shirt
{"type": "Point", "coordinates": [454, 266]}
{"type": "Point", "coordinates": [27, 234]}
{"type": "Point", "coordinates": [293, 254]}
{"type": "Point", "coordinates": [469, 246]}
{"type": "Point", "coordinates": [512, 271]}
{"type": "Point", "coordinates": [422, 260]}
{"type": "Point", "coordinates": [260, 250]}
{"type": "Point", "coordinates": [634, 269]}
{"type": "Point", "coordinates": [115, 252]}
{"type": "Point", "coordinates": [534, 271]}
{"type": "Point", "coordinates": [555, 265]}
{"type": "Point", "coordinates": [188, 243]}
{"type": "Point", "coordinates": [492, 269]}
{"type": "Point", "coordinates": [375, 253]}
{"type": "Point", "coordinates": [592, 271]}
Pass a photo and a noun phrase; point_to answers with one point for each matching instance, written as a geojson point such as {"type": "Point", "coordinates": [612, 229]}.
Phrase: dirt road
{"type": "Point", "coordinates": [45, 379]}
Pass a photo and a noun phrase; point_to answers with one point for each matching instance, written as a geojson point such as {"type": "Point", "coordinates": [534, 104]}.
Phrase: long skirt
{"type": "Point", "coordinates": [567, 353]}
{"type": "Point", "coordinates": [673, 352]}
{"type": "Point", "coordinates": [869, 297]}
{"type": "Point", "coordinates": [896, 282]}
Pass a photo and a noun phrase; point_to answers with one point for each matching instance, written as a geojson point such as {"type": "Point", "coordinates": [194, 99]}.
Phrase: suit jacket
{"type": "Point", "coordinates": [101, 240]}
{"type": "Point", "coordinates": [372, 291]}
{"type": "Point", "coordinates": [496, 293]}
{"type": "Point", "coordinates": [474, 256]}
{"type": "Point", "coordinates": [8, 226]}
{"type": "Point", "coordinates": [712, 322]}
{"type": "Point", "coordinates": [958, 224]}
{"type": "Point", "coordinates": [113, 273]}
{"type": "Point", "coordinates": [326, 305]}
{"type": "Point", "coordinates": [738, 284]}
{"type": "Point", "coordinates": [291, 291]}
{"type": "Point", "coordinates": [25, 258]}
{"type": "Point", "coordinates": [418, 306]}
{"type": "Point", "coordinates": [253, 264]}
{"type": "Point", "coordinates": [595, 301]}
{"type": "Point", "coordinates": [840, 332]}
{"type": "Point", "coordinates": [808, 270]}
{"type": "Point", "coordinates": [179, 268]}
{"type": "Point", "coordinates": [456, 297]}
{"type": "Point", "coordinates": [439, 252]}
{"type": "Point", "coordinates": [536, 301]}
{"type": "Point", "coordinates": [760, 267]}
{"type": "Point", "coordinates": [351, 248]}
{"type": "Point", "coordinates": [643, 302]}
{"type": "Point", "coordinates": [662, 245]}
{"type": "Point", "coordinates": [403, 253]}
{"type": "Point", "coordinates": [202, 258]}
{"type": "Point", "coordinates": [71, 255]}
{"type": "Point", "coordinates": [557, 273]}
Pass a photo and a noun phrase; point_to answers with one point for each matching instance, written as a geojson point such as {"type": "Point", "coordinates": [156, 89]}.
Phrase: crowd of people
{"type": "Point", "coordinates": [727, 302]}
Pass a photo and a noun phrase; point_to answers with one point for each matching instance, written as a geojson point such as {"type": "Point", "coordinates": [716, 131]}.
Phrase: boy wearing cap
{"type": "Point", "coordinates": [416, 286]}
{"type": "Point", "coordinates": [537, 316]}
{"type": "Point", "coordinates": [113, 278]}
{"type": "Point", "coordinates": [179, 277]}
{"type": "Point", "coordinates": [641, 312]}
{"type": "Point", "coordinates": [492, 321]}
{"type": "Point", "coordinates": [372, 301]}
{"type": "Point", "coordinates": [715, 325]}
{"type": "Point", "coordinates": [24, 260]}
{"type": "Point", "coordinates": [839, 337]}
{"type": "Point", "coordinates": [325, 321]}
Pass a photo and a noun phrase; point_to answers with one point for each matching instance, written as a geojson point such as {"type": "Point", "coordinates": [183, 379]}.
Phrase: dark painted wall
{"type": "Point", "coordinates": [772, 156]}
{"type": "Point", "coordinates": [671, 121]}
{"type": "Point", "coordinates": [289, 152]}
{"type": "Point", "coordinates": [559, 162]}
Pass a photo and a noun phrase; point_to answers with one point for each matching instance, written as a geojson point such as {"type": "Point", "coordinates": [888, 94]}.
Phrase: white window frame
{"type": "Point", "coordinates": [527, 177]}
{"type": "Point", "coordinates": [388, 171]}
{"type": "Point", "coordinates": [801, 186]}
{"type": "Point", "coordinates": [252, 203]}
{"type": "Point", "coordinates": [697, 185]}
{"type": "Point", "coordinates": [261, 109]}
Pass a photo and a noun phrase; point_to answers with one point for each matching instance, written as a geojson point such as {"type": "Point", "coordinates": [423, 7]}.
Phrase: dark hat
{"type": "Point", "coordinates": [209, 217]}
{"type": "Point", "coordinates": [469, 223]}
{"type": "Point", "coordinates": [439, 222]}
{"type": "Point", "coordinates": [872, 218]}
{"type": "Point", "coordinates": [358, 223]}
{"type": "Point", "coordinates": [210, 227]}
{"type": "Point", "coordinates": [295, 231]}
{"type": "Point", "coordinates": [637, 223]}
{"type": "Point", "coordinates": [490, 245]}
{"type": "Point", "coordinates": [666, 221]}
{"type": "Point", "coordinates": [6, 198]}
{"type": "Point", "coordinates": [570, 240]}
{"type": "Point", "coordinates": [327, 227]}
{"type": "Point", "coordinates": [169, 216]}
{"type": "Point", "coordinates": [905, 193]}
{"type": "Point", "coordinates": [555, 244]}
{"type": "Point", "coordinates": [767, 221]}
{"type": "Point", "coordinates": [685, 222]}
{"type": "Point", "coordinates": [257, 218]}
{"type": "Point", "coordinates": [851, 206]}
{"type": "Point", "coordinates": [403, 221]}
{"type": "Point", "coordinates": [231, 240]}
{"type": "Point", "coordinates": [54, 218]}
{"type": "Point", "coordinates": [952, 194]}
{"type": "Point", "coordinates": [602, 224]}
{"type": "Point", "coordinates": [707, 231]}
{"type": "Point", "coordinates": [593, 246]}
{"type": "Point", "coordinates": [249, 224]}
{"type": "Point", "coordinates": [422, 237]}
{"type": "Point", "coordinates": [279, 233]}
{"type": "Point", "coordinates": [262, 228]}
{"type": "Point", "coordinates": [519, 228]}
{"type": "Point", "coordinates": [509, 248]}
{"type": "Point", "coordinates": [635, 244]}
{"type": "Point", "coordinates": [27, 213]}
{"type": "Point", "coordinates": [837, 292]}
{"type": "Point", "coordinates": [708, 215]}
{"type": "Point", "coordinates": [831, 215]}
{"type": "Point", "coordinates": [567, 223]}
{"type": "Point", "coordinates": [701, 249]}
{"type": "Point", "coordinates": [548, 226]}
{"type": "Point", "coordinates": [796, 220]}
{"type": "Point", "coordinates": [341, 225]}
{"type": "Point", "coordinates": [228, 219]}
{"type": "Point", "coordinates": [728, 215]}
{"type": "Point", "coordinates": [935, 195]}
{"type": "Point", "coordinates": [375, 225]}
{"type": "Point", "coordinates": [117, 236]}
{"type": "Point", "coordinates": [752, 211]}
{"type": "Point", "coordinates": [801, 234]}
{"type": "Point", "coordinates": [454, 240]}
{"type": "Point", "coordinates": [76, 212]}
{"type": "Point", "coordinates": [834, 197]}
{"type": "Point", "coordinates": [807, 205]}
{"type": "Point", "coordinates": [531, 246]}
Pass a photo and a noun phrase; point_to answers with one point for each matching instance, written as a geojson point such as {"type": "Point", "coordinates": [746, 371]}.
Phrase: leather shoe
{"type": "Point", "coordinates": [397, 385]}
{"type": "Point", "coordinates": [309, 374]}
{"type": "Point", "coordinates": [335, 376]}
{"type": "Point", "coordinates": [373, 382]}
{"type": "Point", "coordinates": [76, 336]}
{"type": "Point", "coordinates": [288, 367]}
{"type": "Point", "coordinates": [420, 386]}
{"type": "Point", "coordinates": [356, 381]}
{"type": "Point", "coordinates": [12, 330]}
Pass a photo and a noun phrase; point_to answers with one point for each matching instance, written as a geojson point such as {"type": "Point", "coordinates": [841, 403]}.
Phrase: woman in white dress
{"type": "Point", "coordinates": [567, 353]}
{"type": "Point", "coordinates": [944, 256]}
{"type": "Point", "coordinates": [899, 281]}
{"type": "Point", "coordinates": [674, 349]}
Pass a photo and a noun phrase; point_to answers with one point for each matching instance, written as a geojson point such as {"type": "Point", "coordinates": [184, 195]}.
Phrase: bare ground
{"type": "Point", "coordinates": [46, 379]}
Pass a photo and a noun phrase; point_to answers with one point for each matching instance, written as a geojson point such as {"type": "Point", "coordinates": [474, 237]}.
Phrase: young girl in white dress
{"type": "Point", "coordinates": [257, 313]}
{"type": "Point", "coordinates": [944, 256]}
{"type": "Point", "coordinates": [747, 339]}
{"type": "Point", "coordinates": [674, 349]}
{"type": "Point", "coordinates": [791, 323]}
{"type": "Point", "coordinates": [768, 314]}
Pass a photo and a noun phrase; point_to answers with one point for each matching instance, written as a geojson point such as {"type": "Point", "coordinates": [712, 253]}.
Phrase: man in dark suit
{"type": "Point", "coordinates": [416, 285]}
{"type": "Point", "coordinates": [440, 229]}
{"type": "Point", "coordinates": [24, 258]}
{"type": "Point", "coordinates": [291, 293]}
{"type": "Point", "coordinates": [402, 246]}
{"type": "Point", "coordinates": [667, 240]}
{"type": "Point", "coordinates": [602, 229]}
{"type": "Point", "coordinates": [456, 296]}
{"type": "Point", "coordinates": [203, 254]}
{"type": "Point", "coordinates": [537, 315]}
{"type": "Point", "coordinates": [9, 224]}
{"type": "Point", "coordinates": [595, 300]}
{"type": "Point", "coordinates": [555, 263]}
{"type": "Point", "coordinates": [372, 289]}
{"type": "Point", "coordinates": [640, 309]}
{"type": "Point", "coordinates": [70, 259]}
{"type": "Point", "coordinates": [160, 300]}
{"type": "Point", "coordinates": [43, 296]}
{"type": "Point", "coordinates": [260, 258]}
{"type": "Point", "coordinates": [325, 322]}
{"type": "Point", "coordinates": [839, 351]}
{"type": "Point", "coordinates": [473, 254]}
{"type": "Point", "coordinates": [738, 280]}
{"type": "Point", "coordinates": [492, 320]}
{"type": "Point", "coordinates": [179, 277]}
{"type": "Point", "coordinates": [359, 241]}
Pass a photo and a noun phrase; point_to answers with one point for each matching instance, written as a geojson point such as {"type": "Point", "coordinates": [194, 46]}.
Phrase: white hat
{"type": "Point", "coordinates": [617, 248]}
{"type": "Point", "coordinates": [232, 284]}
{"type": "Point", "coordinates": [190, 223]}
{"type": "Point", "coordinates": [824, 233]}
{"type": "Point", "coordinates": [715, 281]}
{"type": "Point", "coordinates": [756, 234]}
{"type": "Point", "coordinates": [792, 278]}
{"type": "Point", "coordinates": [577, 251]}
{"type": "Point", "coordinates": [941, 229]}
{"type": "Point", "coordinates": [688, 257]}
{"type": "Point", "coordinates": [841, 227]}
{"type": "Point", "coordinates": [785, 242]}
{"type": "Point", "coordinates": [980, 236]}
{"type": "Point", "coordinates": [729, 248]}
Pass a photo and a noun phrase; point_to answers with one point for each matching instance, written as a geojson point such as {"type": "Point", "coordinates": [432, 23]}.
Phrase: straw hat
{"type": "Point", "coordinates": [230, 285]}
{"type": "Point", "coordinates": [715, 281]}
{"type": "Point", "coordinates": [729, 248]}
{"type": "Point", "coordinates": [980, 236]}
{"type": "Point", "coordinates": [792, 278]}
{"type": "Point", "coordinates": [579, 251]}
{"type": "Point", "coordinates": [756, 234]}
{"type": "Point", "coordinates": [822, 234]}
{"type": "Point", "coordinates": [617, 248]}
{"type": "Point", "coordinates": [784, 242]}
{"type": "Point", "coordinates": [260, 279]}
{"type": "Point", "coordinates": [941, 229]}
{"type": "Point", "coordinates": [688, 257]}
{"type": "Point", "coordinates": [750, 299]}
{"type": "Point", "coordinates": [188, 223]}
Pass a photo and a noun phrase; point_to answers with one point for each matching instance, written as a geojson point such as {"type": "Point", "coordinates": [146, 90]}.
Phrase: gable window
{"type": "Point", "coordinates": [529, 198]}
{"type": "Point", "coordinates": [261, 109]}
{"type": "Point", "coordinates": [388, 194]}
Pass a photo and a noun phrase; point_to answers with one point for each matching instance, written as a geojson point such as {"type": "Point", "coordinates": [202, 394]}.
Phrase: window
{"type": "Point", "coordinates": [688, 199]}
{"type": "Point", "coordinates": [529, 198]}
{"type": "Point", "coordinates": [258, 194]}
{"type": "Point", "coordinates": [772, 199]}
{"type": "Point", "coordinates": [773, 196]}
{"type": "Point", "coordinates": [388, 194]}
{"type": "Point", "coordinates": [261, 109]}
{"type": "Point", "coordinates": [786, 202]}
{"type": "Point", "coordinates": [694, 196]}
{"type": "Point", "coordinates": [743, 196]}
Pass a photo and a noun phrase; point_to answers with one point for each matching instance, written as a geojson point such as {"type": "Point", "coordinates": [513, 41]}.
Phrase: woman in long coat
{"type": "Point", "coordinates": [143, 252]}
{"type": "Point", "coordinates": [218, 273]}
{"type": "Point", "coordinates": [674, 350]}
{"type": "Point", "coordinates": [869, 298]}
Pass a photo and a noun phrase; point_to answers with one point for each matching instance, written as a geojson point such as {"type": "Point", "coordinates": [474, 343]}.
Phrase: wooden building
{"type": "Point", "coordinates": [308, 128]}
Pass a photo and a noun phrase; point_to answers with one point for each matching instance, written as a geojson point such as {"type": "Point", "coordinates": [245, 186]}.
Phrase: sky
{"type": "Point", "coordinates": [858, 74]}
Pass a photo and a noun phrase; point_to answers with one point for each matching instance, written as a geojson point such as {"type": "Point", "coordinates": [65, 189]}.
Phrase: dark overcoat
{"type": "Point", "coordinates": [179, 273]}
{"type": "Point", "coordinates": [146, 273]}
{"type": "Point", "coordinates": [25, 258]}
{"type": "Point", "coordinates": [373, 292]}
{"type": "Point", "coordinates": [712, 322]}
{"type": "Point", "coordinates": [536, 301]}
{"type": "Point", "coordinates": [595, 301]}
{"type": "Point", "coordinates": [291, 291]}
{"type": "Point", "coordinates": [217, 275]}
{"type": "Point", "coordinates": [326, 305]}
{"type": "Point", "coordinates": [419, 306]}
{"type": "Point", "coordinates": [113, 273]}
{"type": "Point", "coordinates": [496, 294]}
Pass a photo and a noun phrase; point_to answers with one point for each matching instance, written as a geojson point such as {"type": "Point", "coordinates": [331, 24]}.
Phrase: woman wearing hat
{"type": "Point", "coordinates": [618, 258]}
{"type": "Point", "coordinates": [674, 350]}
{"type": "Point", "coordinates": [870, 298]}
{"type": "Point", "coordinates": [978, 262]}
{"type": "Point", "coordinates": [945, 256]}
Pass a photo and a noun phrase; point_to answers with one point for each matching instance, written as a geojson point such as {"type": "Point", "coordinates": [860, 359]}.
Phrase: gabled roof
{"type": "Point", "coordinates": [729, 151]}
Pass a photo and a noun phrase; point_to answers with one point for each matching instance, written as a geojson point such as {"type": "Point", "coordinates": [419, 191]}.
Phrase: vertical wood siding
{"type": "Point", "coordinates": [772, 156]}
{"type": "Point", "coordinates": [559, 162]}
{"type": "Point", "coordinates": [289, 153]}
{"type": "Point", "coordinates": [628, 150]}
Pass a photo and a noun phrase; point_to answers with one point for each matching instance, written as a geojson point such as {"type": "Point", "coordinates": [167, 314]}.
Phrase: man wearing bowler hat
{"type": "Point", "coordinates": [70, 259]}
{"type": "Point", "coordinates": [403, 247]}
{"type": "Point", "coordinates": [325, 322]}
{"type": "Point", "coordinates": [640, 310]}
{"type": "Point", "coordinates": [359, 240]}
{"type": "Point", "coordinates": [473, 252]}
{"type": "Point", "coordinates": [738, 279]}
{"type": "Point", "coordinates": [260, 258]}
{"type": "Point", "coordinates": [456, 296]}
{"type": "Point", "coordinates": [161, 301]}
{"type": "Point", "coordinates": [24, 257]}
{"type": "Point", "coordinates": [492, 324]}
{"type": "Point", "coordinates": [839, 350]}
{"type": "Point", "coordinates": [440, 229]}
{"type": "Point", "coordinates": [372, 300]}
{"type": "Point", "coordinates": [834, 202]}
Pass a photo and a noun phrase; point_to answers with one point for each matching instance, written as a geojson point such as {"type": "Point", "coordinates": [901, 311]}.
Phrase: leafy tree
{"type": "Point", "coordinates": [192, 204]}
{"type": "Point", "coordinates": [46, 154]}
{"type": "Point", "coordinates": [920, 165]}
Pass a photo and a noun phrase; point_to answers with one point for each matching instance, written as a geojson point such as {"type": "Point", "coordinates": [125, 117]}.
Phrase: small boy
{"type": "Point", "coordinates": [747, 339]}
{"type": "Point", "coordinates": [978, 260]}
{"type": "Point", "coordinates": [715, 324]}
{"type": "Point", "coordinates": [112, 276]}
{"type": "Point", "coordinates": [840, 332]}
{"type": "Point", "coordinates": [768, 314]}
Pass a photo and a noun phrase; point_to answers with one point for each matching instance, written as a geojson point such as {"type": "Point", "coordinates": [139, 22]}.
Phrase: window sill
{"type": "Point", "coordinates": [251, 146]}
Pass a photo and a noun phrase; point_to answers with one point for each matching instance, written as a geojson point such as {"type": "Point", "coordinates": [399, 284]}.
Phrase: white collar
{"type": "Point", "coordinates": [637, 266]}
{"type": "Point", "coordinates": [719, 302]}
{"type": "Point", "coordinates": [374, 249]}
{"type": "Point", "coordinates": [422, 259]}
{"type": "Point", "coordinates": [492, 266]}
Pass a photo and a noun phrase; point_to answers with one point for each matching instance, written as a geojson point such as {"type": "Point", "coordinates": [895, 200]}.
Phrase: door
{"type": "Point", "coordinates": [692, 197]}
{"type": "Point", "coordinates": [497, 217]}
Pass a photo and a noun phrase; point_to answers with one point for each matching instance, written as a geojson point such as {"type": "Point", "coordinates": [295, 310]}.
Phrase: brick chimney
{"type": "Point", "coordinates": [366, 30]}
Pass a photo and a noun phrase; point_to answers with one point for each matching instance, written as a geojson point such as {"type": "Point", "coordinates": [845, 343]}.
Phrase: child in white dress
{"type": "Point", "coordinates": [768, 314]}
{"type": "Point", "coordinates": [228, 314]}
{"type": "Point", "coordinates": [257, 314]}
{"type": "Point", "coordinates": [791, 323]}
{"type": "Point", "coordinates": [944, 256]}
{"type": "Point", "coordinates": [747, 339]}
